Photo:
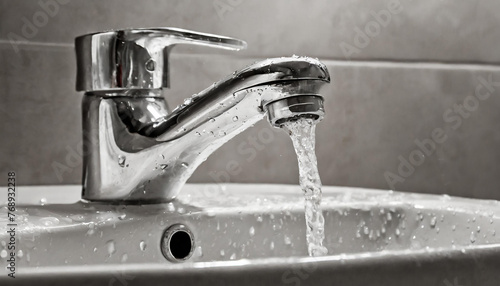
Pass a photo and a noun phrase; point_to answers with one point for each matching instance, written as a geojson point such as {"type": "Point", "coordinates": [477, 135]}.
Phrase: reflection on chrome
{"type": "Point", "coordinates": [136, 150]}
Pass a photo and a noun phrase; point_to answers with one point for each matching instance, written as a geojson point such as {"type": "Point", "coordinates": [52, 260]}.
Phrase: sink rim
{"type": "Point", "coordinates": [68, 194]}
{"type": "Point", "coordinates": [331, 263]}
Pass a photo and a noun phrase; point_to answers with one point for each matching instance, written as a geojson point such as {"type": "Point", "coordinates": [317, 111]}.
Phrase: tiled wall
{"type": "Point", "coordinates": [400, 81]}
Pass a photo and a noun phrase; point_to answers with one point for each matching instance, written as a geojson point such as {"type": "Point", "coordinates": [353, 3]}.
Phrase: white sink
{"type": "Point", "coordinates": [254, 234]}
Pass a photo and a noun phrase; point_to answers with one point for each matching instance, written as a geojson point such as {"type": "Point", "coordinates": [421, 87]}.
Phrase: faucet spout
{"type": "Point", "coordinates": [251, 89]}
{"type": "Point", "coordinates": [146, 155]}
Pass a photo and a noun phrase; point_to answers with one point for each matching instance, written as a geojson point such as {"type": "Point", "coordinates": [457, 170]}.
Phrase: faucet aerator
{"type": "Point", "coordinates": [293, 108]}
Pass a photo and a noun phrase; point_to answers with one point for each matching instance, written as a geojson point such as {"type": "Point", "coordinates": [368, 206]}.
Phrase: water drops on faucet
{"type": "Point", "coordinates": [121, 160]}
{"type": "Point", "coordinates": [150, 65]}
{"type": "Point", "coordinates": [110, 246]}
{"type": "Point", "coordinates": [142, 245]}
{"type": "Point", "coordinates": [251, 231]}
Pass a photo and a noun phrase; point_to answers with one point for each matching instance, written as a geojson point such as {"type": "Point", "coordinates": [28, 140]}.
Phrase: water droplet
{"type": "Point", "coordinates": [259, 218]}
{"type": "Point", "coordinates": [122, 216]}
{"type": "Point", "coordinates": [163, 166]}
{"type": "Point", "coordinates": [389, 216]}
{"type": "Point", "coordinates": [453, 227]}
{"type": "Point", "coordinates": [233, 256]}
{"type": "Point", "coordinates": [142, 245]}
{"type": "Point", "coordinates": [43, 201]}
{"type": "Point", "coordinates": [150, 65]}
{"type": "Point", "coordinates": [398, 232]}
{"type": "Point", "coordinates": [188, 101]}
{"type": "Point", "coordinates": [222, 133]}
{"type": "Point", "coordinates": [3, 253]}
{"type": "Point", "coordinates": [420, 217]}
{"type": "Point", "coordinates": [251, 231]}
{"type": "Point", "coordinates": [433, 222]}
{"type": "Point", "coordinates": [110, 244]}
{"type": "Point", "coordinates": [49, 221]}
{"type": "Point", "coordinates": [472, 237]}
{"type": "Point", "coordinates": [95, 249]}
{"type": "Point", "coordinates": [235, 118]}
{"type": "Point", "coordinates": [287, 240]}
{"type": "Point", "coordinates": [371, 236]}
{"type": "Point", "coordinates": [271, 245]}
{"type": "Point", "coordinates": [198, 252]}
{"type": "Point", "coordinates": [222, 252]}
{"type": "Point", "coordinates": [124, 258]}
{"type": "Point", "coordinates": [212, 120]}
{"type": "Point", "coordinates": [170, 207]}
{"type": "Point", "coordinates": [366, 230]}
{"type": "Point", "coordinates": [121, 160]}
{"type": "Point", "coordinates": [184, 164]}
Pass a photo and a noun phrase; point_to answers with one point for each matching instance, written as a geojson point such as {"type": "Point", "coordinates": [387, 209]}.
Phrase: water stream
{"type": "Point", "coordinates": [302, 133]}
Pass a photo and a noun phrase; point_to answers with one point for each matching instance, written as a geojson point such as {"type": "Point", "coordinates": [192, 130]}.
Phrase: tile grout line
{"type": "Point", "coordinates": [35, 44]}
{"type": "Point", "coordinates": [373, 63]}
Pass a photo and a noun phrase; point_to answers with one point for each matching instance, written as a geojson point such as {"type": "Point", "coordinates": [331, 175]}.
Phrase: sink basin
{"type": "Point", "coordinates": [253, 234]}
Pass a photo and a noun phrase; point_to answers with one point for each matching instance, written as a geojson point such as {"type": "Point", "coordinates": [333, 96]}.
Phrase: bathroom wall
{"type": "Point", "coordinates": [413, 104]}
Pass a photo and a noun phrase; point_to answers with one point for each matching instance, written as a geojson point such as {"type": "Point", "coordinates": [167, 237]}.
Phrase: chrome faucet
{"type": "Point", "coordinates": [135, 150]}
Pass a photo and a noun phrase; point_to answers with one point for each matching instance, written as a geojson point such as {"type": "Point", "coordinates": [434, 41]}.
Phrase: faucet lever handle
{"type": "Point", "coordinates": [172, 36]}
{"type": "Point", "coordinates": [135, 58]}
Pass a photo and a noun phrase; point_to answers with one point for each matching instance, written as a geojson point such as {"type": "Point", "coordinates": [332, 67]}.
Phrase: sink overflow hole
{"type": "Point", "coordinates": [177, 243]}
{"type": "Point", "coordinates": [180, 245]}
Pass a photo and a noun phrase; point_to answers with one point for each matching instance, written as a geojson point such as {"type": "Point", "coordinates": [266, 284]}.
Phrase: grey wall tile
{"type": "Point", "coordinates": [447, 30]}
{"type": "Point", "coordinates": [378, 111]}
{"type": "Point", "coordinates": [375, 111]}
{"type": "Point", "coordinates": [42, 113]}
